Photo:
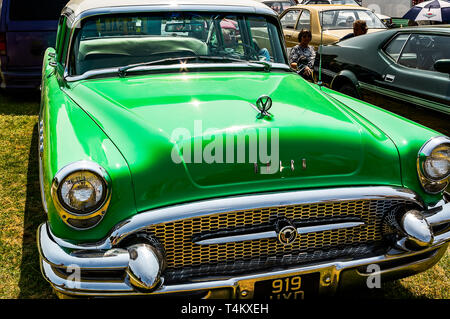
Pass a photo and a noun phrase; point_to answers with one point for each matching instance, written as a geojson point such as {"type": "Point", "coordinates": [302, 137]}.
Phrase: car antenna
{"type": "Point", "coordinates": [319, 82]}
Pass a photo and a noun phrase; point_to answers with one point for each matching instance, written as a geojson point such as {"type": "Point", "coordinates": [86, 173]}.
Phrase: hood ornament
{"type": "Point", "coordinates": [263, 105]}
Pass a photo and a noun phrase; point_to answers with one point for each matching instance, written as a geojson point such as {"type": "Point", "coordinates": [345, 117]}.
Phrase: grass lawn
{"type": "Point", "coordinates": [21, 213]}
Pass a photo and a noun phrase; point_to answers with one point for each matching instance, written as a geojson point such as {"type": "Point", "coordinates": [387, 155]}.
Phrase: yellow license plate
{"type": "Point", "coordinates": [288, 288]}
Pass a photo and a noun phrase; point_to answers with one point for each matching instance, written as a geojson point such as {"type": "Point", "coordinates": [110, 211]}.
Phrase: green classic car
{"type": "Point", "coordinates": [179, 154]}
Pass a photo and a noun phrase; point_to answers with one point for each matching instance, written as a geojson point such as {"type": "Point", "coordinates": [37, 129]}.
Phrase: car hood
{"type": "Point", "coordinates": [197, 135]}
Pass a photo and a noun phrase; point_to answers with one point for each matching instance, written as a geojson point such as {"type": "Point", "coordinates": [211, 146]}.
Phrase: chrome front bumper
{"type": "Point", "coordinates": [57, 254]}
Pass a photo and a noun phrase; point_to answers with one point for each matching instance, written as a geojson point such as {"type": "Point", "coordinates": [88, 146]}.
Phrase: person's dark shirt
{"type": "Point", "coordinates": [348, 36]}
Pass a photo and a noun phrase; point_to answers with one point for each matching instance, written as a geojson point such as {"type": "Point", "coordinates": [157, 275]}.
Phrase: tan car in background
{"type": "Point", "coordinates": [337, 22]}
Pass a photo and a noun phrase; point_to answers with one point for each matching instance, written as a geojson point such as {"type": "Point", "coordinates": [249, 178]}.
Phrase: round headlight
{"type": "Point", "coordinates": [81, 193]}
{"type": "Point", "coordinates": [433, 164]}
{"type": "Point", "coordinates": [437, 165]}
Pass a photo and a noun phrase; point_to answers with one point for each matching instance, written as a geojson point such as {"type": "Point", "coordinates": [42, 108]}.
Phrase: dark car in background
{"type": "Point", "coordinates": [410, 65]}
{"type": "Point", "coordinates": [27, 29]}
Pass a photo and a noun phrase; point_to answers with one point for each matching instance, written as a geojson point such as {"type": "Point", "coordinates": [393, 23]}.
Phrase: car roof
{"type": "Point", "coordinates": [324, 7]}
{"type": "Point", "coordinates": [367, 41]}
{"type": "Point", "coordinates": [428, 28]}
{"type": "Point", "coordinates": [76, 7]}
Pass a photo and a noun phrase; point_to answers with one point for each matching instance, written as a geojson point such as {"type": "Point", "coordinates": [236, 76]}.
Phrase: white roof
{"type": "Point", "coordinates": [79, 6]}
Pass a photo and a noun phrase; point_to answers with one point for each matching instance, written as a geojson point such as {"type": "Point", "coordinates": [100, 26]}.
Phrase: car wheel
{"type": "Point", "coordinates": [349, 90]}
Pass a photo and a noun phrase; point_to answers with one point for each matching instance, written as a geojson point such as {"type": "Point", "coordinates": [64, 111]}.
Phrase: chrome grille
{"type": "Point", "coordinates": [177, 237]}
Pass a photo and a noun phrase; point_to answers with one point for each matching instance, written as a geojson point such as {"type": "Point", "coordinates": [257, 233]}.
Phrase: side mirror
{"type": "Point", "coordinates": [442, 65]}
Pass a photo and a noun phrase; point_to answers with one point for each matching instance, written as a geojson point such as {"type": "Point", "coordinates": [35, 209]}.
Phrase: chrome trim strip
{"type": "Point", "coordinates": [313, 229]}
{"type": "Point", "coordinates": [172, 8]}
{"type": "Point", "coordinates": [41, 168]}
{"type": "Point", "coordinates": [237, 238]}
{"type": "Point", "coordinates": [442, 238]}
{"type": "Point", "coordinates": [243, 202]}
{"type": "Point", "coordinates": [273, 234]}
{"type": "Point", "coordinates": [441, 217]}
{"type": "Point", "coordinates": [404, 97]}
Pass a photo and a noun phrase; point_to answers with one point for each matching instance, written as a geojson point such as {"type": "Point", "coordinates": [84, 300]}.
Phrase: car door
{"type": "Point", "coordinates": [412, 77]}
{"type": "Point", "coordinates": [289, 21]}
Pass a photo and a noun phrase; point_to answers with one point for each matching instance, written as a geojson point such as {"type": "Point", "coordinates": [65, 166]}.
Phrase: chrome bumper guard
{"type": "Point", "coordinates": [142, 270]}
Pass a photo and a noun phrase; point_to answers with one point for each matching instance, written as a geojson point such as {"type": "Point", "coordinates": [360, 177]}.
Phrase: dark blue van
{"type": "Point", "coordinates": [27, 28]}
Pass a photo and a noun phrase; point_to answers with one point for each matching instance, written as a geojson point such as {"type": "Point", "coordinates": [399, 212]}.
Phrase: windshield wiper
{"type": "Point", "coordinates": [123, 70]}
{"type": "Point", "coordinates": [267, 65]}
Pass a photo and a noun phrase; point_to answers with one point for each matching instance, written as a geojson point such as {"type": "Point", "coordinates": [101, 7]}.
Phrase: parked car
{"type": "Point", "coordinates": [337, 22]}
{"type": "Point", "coordinates": [410, 65]}
{"type": "Point", "coordinates": [279, 6]}
{"type": "Point", "coordinates": [155, 174]}
{"type": "Point", "coordinates": [27, 29]}
{"type": "Point", "coordinates": [386, 19]}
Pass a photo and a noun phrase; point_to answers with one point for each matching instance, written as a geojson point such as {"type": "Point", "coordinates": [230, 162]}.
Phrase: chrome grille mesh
{"type": "Point", "coordinates": [176, 237]}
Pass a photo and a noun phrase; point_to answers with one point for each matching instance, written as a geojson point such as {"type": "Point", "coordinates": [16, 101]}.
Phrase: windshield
{"type": "Point", "coordinates": [343, 19]}
{"type": "Point", "coordinates": [117, 41]}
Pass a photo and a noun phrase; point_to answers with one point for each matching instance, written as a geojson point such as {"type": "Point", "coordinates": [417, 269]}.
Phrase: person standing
{"type": "Point", "coordinates": [302, 55]}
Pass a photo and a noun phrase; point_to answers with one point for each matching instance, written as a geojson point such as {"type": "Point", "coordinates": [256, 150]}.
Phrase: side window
{"type": "Point", "coordinates": [345, 19]}
{"type": "Point", "coordinates": [423, 50]}
{"type": "Point", "coordinates": [305, 21]}
{"type": "Point", "coordinates": [289, 19]}
{"type": "Point", "coordinates": [394, 48]}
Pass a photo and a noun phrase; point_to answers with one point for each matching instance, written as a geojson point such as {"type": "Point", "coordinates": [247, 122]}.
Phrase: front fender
{"type": "Point", "coordinates": [407, 135]}
{"type": "Point", "coordinates": [70, 135]}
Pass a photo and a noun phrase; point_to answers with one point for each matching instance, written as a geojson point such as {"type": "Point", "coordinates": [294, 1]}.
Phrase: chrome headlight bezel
{"type": "Point", "coordinates": [71, 217]}
{"type": "Point", "coordinates": [431, 184]}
